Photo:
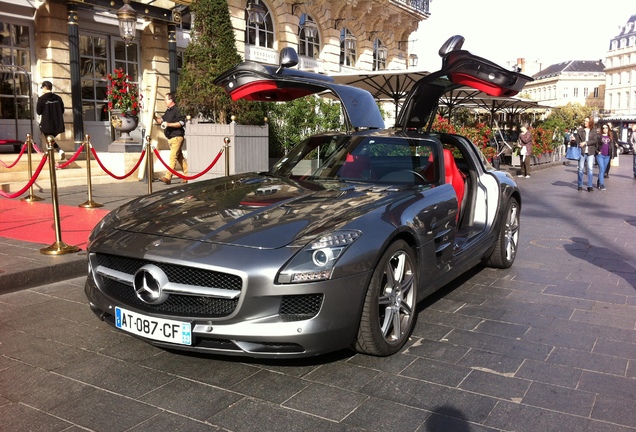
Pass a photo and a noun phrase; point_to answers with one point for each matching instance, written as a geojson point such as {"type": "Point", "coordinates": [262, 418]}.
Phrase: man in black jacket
{"type": "Point", "coordinates": [51, 109]}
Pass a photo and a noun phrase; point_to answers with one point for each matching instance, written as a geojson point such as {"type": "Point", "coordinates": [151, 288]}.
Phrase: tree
{"type": "Point", "coordinates": [212, 51]}
{"type": "Point", "coordinates": [291, 122]}
{"type": "Point", "coordinates": [569, 116]}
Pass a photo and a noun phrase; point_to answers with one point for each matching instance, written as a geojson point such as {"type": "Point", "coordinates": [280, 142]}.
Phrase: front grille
{"type": "Point", "coordinates": [175, 273]}
{"type": "Point", "coordinates": [176, 304]}
{"type": "Point", "coordinates": [300, 307]}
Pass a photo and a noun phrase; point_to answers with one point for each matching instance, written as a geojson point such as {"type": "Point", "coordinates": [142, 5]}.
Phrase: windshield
{"type": "Point", "coordinates": [372, 159]}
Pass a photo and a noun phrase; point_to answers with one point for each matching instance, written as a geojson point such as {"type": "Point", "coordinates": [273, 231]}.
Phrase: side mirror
{"type": "Point", "coordinates": [288, 58]}
{"type": "Point", "coordinates": [452, 44]}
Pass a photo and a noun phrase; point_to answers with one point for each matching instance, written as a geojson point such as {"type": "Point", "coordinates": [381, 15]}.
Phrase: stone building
{"type": "Point", "coordinates": [620, 79]}
{"type": "Point", "coordinates": [76, 44]}
{"type": "Point", "coordinates": [573, 81]}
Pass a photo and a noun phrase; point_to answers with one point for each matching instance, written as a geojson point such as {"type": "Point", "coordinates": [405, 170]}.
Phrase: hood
{"type": "Point", "coordinates": [251, 210]}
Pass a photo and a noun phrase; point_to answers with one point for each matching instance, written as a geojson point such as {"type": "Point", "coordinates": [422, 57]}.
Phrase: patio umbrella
{"type": "Point", "coordinates": [386, 84]}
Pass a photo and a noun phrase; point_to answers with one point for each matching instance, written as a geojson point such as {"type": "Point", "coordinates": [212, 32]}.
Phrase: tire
{"type": "Point", "coordinates": [505, 251]}
{"type": "Point", "coordinates": [389, 310]}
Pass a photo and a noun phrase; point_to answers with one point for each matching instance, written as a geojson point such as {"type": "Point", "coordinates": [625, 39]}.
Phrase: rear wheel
{"type": "Point", "coordinates": [388, 314]}
{"type": "Point", "coordinates": [505, 251]}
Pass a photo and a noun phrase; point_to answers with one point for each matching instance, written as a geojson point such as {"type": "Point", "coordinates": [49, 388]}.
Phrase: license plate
{"type": "Point", "coordinates": [160, 329]}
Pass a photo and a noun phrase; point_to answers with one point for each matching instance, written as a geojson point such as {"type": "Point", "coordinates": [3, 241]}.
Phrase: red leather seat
{"type": "Point", "coordinates": [454, 177]}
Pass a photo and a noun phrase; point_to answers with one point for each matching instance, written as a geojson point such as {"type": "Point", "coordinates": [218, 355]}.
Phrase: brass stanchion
{"type": "Point", "coordinates": [59, 247]}
{"type": "Point", "coordinates": [32, 197]}
{"type": "Point", "coordinates": [226, 147]}
{"type": "Point", "coordinates": [90, 203]}
{"type": "Point", "coordinates": [149, 164]}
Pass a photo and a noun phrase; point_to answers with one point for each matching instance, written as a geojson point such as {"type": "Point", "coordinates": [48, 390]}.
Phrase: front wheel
{"type": "Point", "coordinates": [505, 251]}
{"type": "Point", "coordinates": [389, 311]}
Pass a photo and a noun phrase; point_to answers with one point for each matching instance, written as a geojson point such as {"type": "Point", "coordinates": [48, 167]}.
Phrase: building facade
{"type": "Point", "coordinates": [574, 81]}
{"type": "Point", "coordinates": [76, 44]}
{"type": "Point", "coordinates": [620, 94]}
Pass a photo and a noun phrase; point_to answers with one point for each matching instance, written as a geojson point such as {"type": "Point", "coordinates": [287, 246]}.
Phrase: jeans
{"type": "Point", "coordinates": [634, 164]}
{"type": "Point", "coordinates": [583, 161]}
{"type": "Point", "coordinates": [603, 163]}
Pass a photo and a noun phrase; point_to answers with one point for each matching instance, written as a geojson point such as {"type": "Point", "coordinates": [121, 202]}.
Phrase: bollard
{"type": "Point", "coordinates": [226, 147]}
{"type": "Point", "coordinates": [149, 163]}
{"type": "Point", "coordinates": [32, 197]}
{"type": "Point", "coordinates": [59, 247]}
{"type": "Point", "coordinates": [90, 203]}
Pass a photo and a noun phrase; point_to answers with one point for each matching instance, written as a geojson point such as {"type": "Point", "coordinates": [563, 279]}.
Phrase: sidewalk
{"type": "Point", "coordinates": [27, 227]}
{"type": "Point", "coordinates": [548, 344]}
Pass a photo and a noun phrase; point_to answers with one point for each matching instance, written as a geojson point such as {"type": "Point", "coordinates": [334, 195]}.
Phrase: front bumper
{"type": "Point", "coordinates": [275, 321]}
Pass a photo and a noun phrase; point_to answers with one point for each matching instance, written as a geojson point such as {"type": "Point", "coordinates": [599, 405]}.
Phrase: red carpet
{"type": "Point", "coordinates": [34, 222]}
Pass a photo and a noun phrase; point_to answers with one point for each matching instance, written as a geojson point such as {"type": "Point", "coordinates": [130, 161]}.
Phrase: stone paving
{"type": "Point", "coordinates": [547, 345]}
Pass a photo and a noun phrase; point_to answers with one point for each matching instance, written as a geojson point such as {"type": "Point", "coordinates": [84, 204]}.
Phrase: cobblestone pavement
{"type": "Point", "coordinates": [547, 345]}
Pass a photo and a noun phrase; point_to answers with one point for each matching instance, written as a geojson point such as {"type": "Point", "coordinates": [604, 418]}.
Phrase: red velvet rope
{"type": "Point", "coordinates": [24, 189]}
{"type": "Point", "coordinates": [37, 150]}
{"type": "Point", "coordinates": [17, 160]}
{"type": "Point", "coordinates": [113, 175]}
{"type": "Point", "coordinates": [71, 160]}
{"type": "Point", "coordinates": [189, 177]}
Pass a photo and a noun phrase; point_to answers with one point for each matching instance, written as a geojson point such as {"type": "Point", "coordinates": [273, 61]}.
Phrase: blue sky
{"type": "Point", "coordinates": [551, 31]}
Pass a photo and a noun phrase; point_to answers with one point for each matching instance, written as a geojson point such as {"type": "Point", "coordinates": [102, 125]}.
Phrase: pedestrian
{"type": "Point", "coordinates": [614, 136]}
{"type": "Point", "coordinates": [50, 108]}
{"type": "Point", "coordinates": [606, 151]}
{"type": "Point", "coordinates": [632, 140]}
{"type": "Point", "coordinates": [525, 145]}
{"type": "Point", "coordinates": [588, 140]}
{"type": "Point", "coordinates": [173, 125]}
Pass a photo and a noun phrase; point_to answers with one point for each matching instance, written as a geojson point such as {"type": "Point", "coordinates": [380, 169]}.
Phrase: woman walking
{"type": "Point", "coordinates": [606, 151]}
{"type": "Point", "coordinates": [525, 143]}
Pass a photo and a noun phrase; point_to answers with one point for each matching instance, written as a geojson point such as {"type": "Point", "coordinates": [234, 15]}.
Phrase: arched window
{"type": "Point", "coordinates": [260, 29]}
{"type": "Point", "coordinates": [348, 48]}
{"type": "Point", "coordinates": [308, 37]}
{"type": "Point", "coordinates": [380, 53]}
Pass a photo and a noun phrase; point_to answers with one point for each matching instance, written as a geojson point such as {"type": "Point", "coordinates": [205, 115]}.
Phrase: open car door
{"type": "Point", "coordinates": [258, 82]}
{"type": "Point", "coordinates": [459, 68]}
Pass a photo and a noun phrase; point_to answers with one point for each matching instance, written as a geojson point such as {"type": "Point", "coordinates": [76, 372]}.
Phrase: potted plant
{"type": "Point", "coordinates": [124, 103]}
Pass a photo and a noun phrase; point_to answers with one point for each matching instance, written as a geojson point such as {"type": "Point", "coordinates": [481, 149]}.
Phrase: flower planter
{"type": "Point", "coordinates": [124, 124]}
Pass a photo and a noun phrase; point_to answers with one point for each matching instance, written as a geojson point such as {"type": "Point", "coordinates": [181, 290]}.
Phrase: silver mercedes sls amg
{"type": "Point", "coordinates": [333, 247]}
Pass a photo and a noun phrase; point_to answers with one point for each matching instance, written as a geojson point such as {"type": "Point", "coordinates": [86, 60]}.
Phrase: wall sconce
{"type": "Point", "coordinates": [403, 45]}
{"type": "Point", "coordinates": [310, 26]}
{"type": "Point", "coordinates": [256, 13]}
{"type": "Point", "coordinates": [413, 60]}
{"type": "Point", "coordinates": [127, 18]}
{"type": "Point", "coordinates": [383, 52]}
{"type": "Point", "coordinates": [336, 21]}
{"type": "Point", "coordinates": [350, 42]}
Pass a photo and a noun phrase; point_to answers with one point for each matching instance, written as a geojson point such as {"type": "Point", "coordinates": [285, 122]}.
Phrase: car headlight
{"type": "Point", "coordinates": [315, 262]}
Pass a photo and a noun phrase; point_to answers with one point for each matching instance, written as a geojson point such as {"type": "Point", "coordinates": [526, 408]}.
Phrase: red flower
{"type": "Point", "coordinates": [122, 94]}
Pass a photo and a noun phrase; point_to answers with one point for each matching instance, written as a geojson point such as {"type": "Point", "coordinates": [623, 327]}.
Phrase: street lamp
{"type": "Point", "coordinates": [127, 18]}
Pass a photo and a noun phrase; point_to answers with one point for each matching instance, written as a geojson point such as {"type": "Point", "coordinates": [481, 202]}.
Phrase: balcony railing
{"type": "Point", "coordinates": [419, 5]}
